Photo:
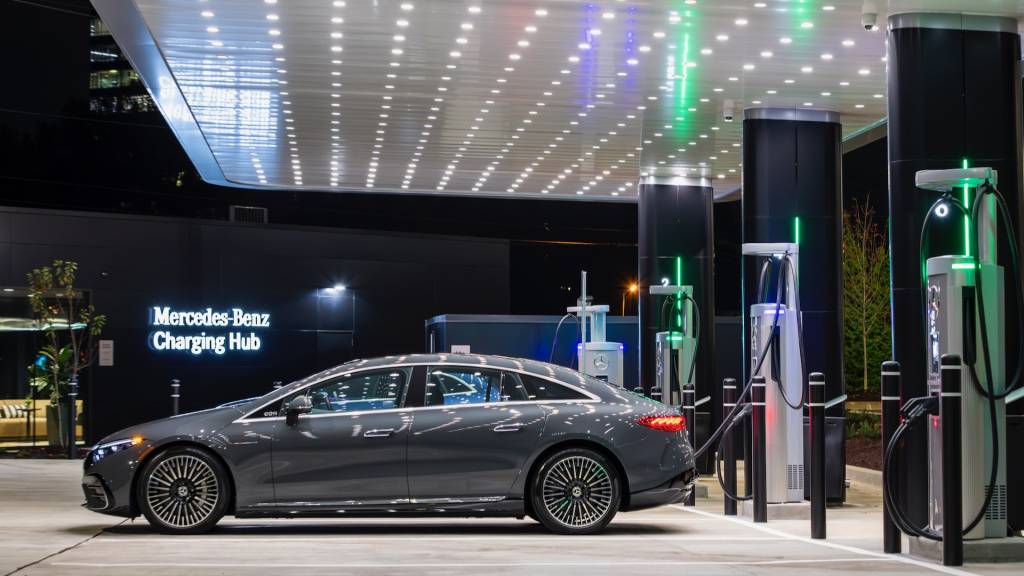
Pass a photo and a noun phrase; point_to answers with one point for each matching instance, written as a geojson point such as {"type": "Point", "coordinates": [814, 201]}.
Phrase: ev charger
{"type": "Point", "coordinates": [597, 358]}
{"type": "Point", "coordinates": [782, 370]}
{"type": "Point", "coordinates": [953, 327]}
{"type": "Point", "coordinates": [682, 344]}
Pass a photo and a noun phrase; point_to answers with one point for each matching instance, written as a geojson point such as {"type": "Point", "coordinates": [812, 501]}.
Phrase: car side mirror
{"type": "Point", "coordinates": [294, 407]}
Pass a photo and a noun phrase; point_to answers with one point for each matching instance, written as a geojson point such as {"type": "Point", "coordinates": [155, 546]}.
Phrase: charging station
{"type": "Point", "coordinates": [777, 325]}
{"type": "Point", "coordinates": [965, 322]}
{"type": "Point", "coordinates": [675, 350]}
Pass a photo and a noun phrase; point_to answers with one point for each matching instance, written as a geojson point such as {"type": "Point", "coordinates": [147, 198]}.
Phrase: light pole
{"type": "Point", "coordinates": [632, 289]}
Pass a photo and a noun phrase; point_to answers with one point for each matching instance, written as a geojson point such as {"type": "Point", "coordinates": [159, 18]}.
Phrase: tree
{"type": "Point", "coordinates": [866, 329]}
{"type": "Point", "coordinates": [68, 323]}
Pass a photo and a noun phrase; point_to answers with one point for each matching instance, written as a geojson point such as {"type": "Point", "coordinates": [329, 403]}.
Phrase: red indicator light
{"type": "Point", "coordinates": [674, 423]}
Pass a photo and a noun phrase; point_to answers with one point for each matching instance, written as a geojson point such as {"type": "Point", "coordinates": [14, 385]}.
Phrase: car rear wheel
{"type": "Point", "coordinates": [575, 491]}
{"type": "Point", "coordinates": [183, 490]}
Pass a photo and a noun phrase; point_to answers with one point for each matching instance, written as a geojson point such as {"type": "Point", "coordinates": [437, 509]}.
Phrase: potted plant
{"type": "Point", "coordinates": [70, 327]}
{"type": "Point", "coordinates": [40, 386]}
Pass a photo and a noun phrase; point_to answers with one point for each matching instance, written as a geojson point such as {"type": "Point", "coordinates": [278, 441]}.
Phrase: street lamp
{"type": "Point", "coordinates": [632, 289]}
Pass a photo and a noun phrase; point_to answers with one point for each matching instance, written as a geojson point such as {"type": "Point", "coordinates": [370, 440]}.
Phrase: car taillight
{"type": "Point", "coordinates": [674, 423]}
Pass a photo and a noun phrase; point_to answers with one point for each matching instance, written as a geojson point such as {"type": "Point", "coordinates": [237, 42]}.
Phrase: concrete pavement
{"type": "Point", "coordinates": [45, 531]}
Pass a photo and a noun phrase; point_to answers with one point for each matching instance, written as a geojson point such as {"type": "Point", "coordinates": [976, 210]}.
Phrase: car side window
{"type": "Point", "coordinates": [541, 389]}
{"type": "Point", "coordinates": [455, 385]}
{"type": "Point", "coordinates": [369, 390]}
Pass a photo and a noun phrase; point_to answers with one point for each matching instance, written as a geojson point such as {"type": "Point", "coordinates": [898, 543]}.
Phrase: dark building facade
{"type": "Point", "coordinates": [278, 282]}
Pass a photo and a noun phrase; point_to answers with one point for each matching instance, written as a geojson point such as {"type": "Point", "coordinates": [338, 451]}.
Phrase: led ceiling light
{"type": "Point", "coordinates": [591, 134]}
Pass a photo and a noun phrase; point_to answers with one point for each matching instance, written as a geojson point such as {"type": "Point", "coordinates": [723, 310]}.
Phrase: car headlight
{"type": "Point", "coordinates": [101, 451]}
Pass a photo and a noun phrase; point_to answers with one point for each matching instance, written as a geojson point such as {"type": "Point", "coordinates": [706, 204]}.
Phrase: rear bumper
{"type": "Point", "coordinates": [674, 491]}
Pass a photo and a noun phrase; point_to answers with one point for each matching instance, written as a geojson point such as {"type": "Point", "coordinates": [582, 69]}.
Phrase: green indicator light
{"type": "Point", "coordinates": [796, 229]}
{"type": "Point", "coordinates": [679, 295]}
{"type": "Point", "coordinates": [967, 219]}
{"type": "Point", "coordinates": [963, 266]}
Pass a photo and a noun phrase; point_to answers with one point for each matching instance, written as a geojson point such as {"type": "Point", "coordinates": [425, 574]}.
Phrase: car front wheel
{"type": "Point", "coordinates": [183, 490]}
{"type": "Point", "coordinates": [575, 491]}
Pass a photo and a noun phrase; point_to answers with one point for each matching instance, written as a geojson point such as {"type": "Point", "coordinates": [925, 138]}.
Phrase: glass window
{"type": "Point", "coordinates": [104, 79]}
{"type": "Point", "coordinates": [109, 53]}
{"type": "Point", "coordinates": [370, 390]}
{"type": "Point", "coordinates": [453, 385]}
{"type": "Point", "coordinates": [98, 28]}
{"type": "Point", "coordinates": [541, 389]}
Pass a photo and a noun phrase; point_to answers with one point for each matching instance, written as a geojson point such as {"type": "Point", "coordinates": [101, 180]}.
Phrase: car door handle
{"type": "Point", "coordinates": [379, 433]}
{"type": "Point", "coordinates": [515, 427]}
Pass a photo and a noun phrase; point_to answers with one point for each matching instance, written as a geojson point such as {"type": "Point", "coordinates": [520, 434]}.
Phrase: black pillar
{"type": "Point", "coordinates": [676, 239]}
{"type": "Point", "coordinates": [954, 95]}
{"type": "Point", "coordinates": [792, 187]}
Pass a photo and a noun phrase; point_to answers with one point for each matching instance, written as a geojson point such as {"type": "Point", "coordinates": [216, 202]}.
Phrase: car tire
{"type": "Point", "coordinates": [575, 491]}
{"type": "Point", "coordinates": [183, 490]}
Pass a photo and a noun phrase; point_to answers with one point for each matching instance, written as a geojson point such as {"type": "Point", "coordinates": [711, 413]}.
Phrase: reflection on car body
{"type": "Point", "coordinates": [466, 435]}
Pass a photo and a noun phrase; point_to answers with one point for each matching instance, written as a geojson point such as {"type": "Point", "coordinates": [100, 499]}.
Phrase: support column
{"type": "Point", "coordinates": [792, 192]}
{"type": "Point", "coordinates": [953, 96]}
{"type": "Point", "coordinates": [676, 242]}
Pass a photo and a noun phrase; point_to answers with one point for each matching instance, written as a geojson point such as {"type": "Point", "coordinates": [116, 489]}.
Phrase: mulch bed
{"type": "Point", "coordinates": [864, 452]}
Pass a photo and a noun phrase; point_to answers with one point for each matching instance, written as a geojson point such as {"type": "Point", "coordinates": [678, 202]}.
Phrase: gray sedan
{"type": "Point", "coordinates": [463, 435]}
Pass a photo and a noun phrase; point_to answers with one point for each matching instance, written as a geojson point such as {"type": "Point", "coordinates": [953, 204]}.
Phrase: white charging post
{"type": "Point", "coordinates": [950, 306]}
{"type": "Point", "coordinates": [784, 439]}
{"type": "Point", "coordinates": [597, 357]}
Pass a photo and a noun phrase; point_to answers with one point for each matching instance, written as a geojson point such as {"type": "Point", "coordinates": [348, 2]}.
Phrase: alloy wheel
{"type": "Point", "coordinates": [577, 491]}
{"type": "Point", "coordinates": [182, 491]}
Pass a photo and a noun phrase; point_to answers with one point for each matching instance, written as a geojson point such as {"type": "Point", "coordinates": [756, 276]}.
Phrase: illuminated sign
{"type": "Point", "coordinates": [232, 330]}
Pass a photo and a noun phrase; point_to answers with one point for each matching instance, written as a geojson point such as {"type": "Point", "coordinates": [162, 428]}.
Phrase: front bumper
{"type": "Point", "coordinates": [97, 495]}
{"type": "Point", "coordinates": [107, 483]}
{"type": "Point", "coordinates": [672, 492]}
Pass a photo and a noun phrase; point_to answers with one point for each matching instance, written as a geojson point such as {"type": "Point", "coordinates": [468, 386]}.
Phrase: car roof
{"type": "Point", "coordinates": [525, 365]}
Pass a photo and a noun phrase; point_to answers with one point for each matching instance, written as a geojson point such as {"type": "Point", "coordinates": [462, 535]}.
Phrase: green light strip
{"type": "Point", "coordinates": [796, 229]}
{"type": "Point", "coordinates": [963, 266]}
{"type": "Point", "coordinates": [679, 295]}
{"type": "Point", "coordinates": [967, 219]}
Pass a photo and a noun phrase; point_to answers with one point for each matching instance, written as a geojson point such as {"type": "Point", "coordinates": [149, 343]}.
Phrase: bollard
{"type": "Point", "coordinates": [748, 434]}
{"type": "Point", "coordinates": [758, 450]}
{"type": "Point", "coordinates": [175, 394]}
{"type": "Point", "coordinates": [892, 539]}
{"type": "Point", "coordinates": [639, 390]}
{"type": "Point", "coordinates": [656, 395]}
{"type": "Point", "coordinates": [952, 480]}
{"type": "Point", "coordinates": [816, 407]}
{"type": "Point", "coordinates": [729, 445]}
{"type": "Point", "coordinates": [72, 417]}
{"type": "Point", "coordinates": [690, 413]}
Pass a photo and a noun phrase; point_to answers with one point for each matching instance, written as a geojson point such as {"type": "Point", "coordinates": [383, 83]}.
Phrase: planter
{"type": "Point", "coordinates": [57, 425]}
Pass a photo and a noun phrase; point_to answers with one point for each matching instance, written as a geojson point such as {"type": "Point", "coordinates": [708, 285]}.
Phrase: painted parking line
{"type": "Point", "coordinates": [823, 543]}
{"type": "Point", "coordinates": [551, 538]}
{"type": "Point", "coordinates": [370, 565]}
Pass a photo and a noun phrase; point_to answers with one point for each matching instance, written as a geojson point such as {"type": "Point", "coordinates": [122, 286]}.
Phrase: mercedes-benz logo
{"type": "Point", "coordinates": [601, 362]}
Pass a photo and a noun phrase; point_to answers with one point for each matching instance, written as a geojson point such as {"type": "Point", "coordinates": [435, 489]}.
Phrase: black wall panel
{"type": "Point", "coordinates": [129, 264]}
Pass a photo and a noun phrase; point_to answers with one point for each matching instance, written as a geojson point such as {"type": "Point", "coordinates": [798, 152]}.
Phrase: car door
{"type": "Point", "coordinates": [472, 435]}
{"type": "Point", "coordinates": [351, 449]}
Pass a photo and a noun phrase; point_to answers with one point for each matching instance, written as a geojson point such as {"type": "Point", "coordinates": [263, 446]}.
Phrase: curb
{"type": "Point", "coordinates": [864, 476]}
